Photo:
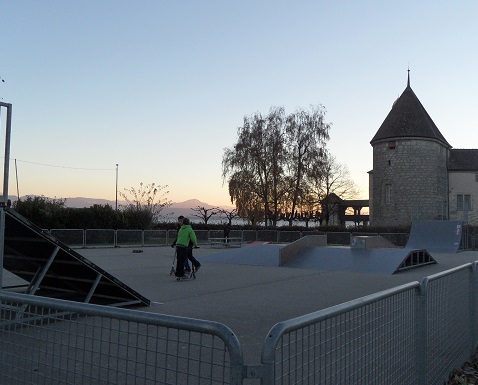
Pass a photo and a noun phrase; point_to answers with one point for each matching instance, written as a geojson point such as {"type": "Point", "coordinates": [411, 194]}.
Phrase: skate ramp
{"type": "Point", "coordinates": [436, 236]}
{"type": "Point", "coordinates": [341, 258]}
{"type": "Point", "coordinates": [335, 258]}
{"type": "Point", "coordinates": [49, 268]}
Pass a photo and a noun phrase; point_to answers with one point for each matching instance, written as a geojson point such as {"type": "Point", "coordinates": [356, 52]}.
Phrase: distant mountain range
{"type": "Point", "coordinates": [170, 213]}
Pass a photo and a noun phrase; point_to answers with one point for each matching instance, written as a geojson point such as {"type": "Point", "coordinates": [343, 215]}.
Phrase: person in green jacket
{"type": "Point", "coordinates": [186, 235]}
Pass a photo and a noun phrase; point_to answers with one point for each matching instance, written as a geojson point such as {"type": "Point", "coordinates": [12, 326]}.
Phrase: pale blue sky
{"type": "Point", "coordinates": [160, 87]}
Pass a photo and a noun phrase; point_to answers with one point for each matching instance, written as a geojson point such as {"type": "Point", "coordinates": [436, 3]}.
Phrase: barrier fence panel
{"type": "Point", "coordinates": [156, 238]}
{"type": "Point", "coordinates": [202, 236]}
{"type": "Point", "coordinates": [362, 234]}
{"type": "Point", "coordinates": [172, 235]}
{"type": "Point", "coordinates": [267, 236]}
{"type": "Point", "coordinates": [288, 236]}
{"type": "Point", "coordinates": [100, 238]}
{"type": "Point", "coordinates": [370, 340]}
{"type": "Point", "coordinates": [216, 234]}
{"type": "Point", "coordinates": [449, 313]}
{"type": "Point", "coordinates": [338, 238]}
{"type": "Point", "coordinates": [70, 237]}
{"type": "Point", "coordinates": [236, 234]}
{"type": "Point", "coordinates": [249, 235]}
{"type": "Point", "coordinates": [312, 232]}
{"type": "Point", "coordinates": [129, 238]}
{"type": "Point", "coordinates": [49, 341]}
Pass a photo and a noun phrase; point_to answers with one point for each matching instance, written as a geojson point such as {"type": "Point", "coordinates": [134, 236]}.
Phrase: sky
{"type": "Point", "coordinates": [159, 88]}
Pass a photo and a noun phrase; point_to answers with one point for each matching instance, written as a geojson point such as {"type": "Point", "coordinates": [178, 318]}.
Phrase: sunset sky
{"type": "Point", "coordinates": [160, 87]}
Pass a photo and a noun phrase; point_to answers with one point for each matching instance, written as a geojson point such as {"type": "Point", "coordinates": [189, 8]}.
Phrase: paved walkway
{"type": "Point", "coordinates": [249, 299]}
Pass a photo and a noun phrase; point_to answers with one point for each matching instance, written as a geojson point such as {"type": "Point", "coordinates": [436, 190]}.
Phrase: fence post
{"type": "Point", "coordinates": [472, 300]}
{"type": "Point", "coordinates": [421, 346]}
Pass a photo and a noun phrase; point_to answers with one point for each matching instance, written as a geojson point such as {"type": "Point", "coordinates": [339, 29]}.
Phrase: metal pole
{"type": "Point", "coordinates": [16, 175]}
{"type": "Point", "coordinates": [116, 186]}
{"type": "Point", "coordinates": [6, 165]}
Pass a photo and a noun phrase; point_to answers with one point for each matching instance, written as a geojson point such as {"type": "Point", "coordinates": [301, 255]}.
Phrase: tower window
{"type": "Point", "coordinates": [389, 162]}
{"type": "Point", "coordinates": [391, 145]}
{"type": "Point", "coordinates": [388, 194]}
{"type": "Point", "coordinates": [463, 202]}
{"type": "Point", "coordinates": [476, 177]}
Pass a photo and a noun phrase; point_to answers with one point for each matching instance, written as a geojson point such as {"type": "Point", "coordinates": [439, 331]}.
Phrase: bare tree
{"type": "Point", "coordinates": [205, 213]}
{"type": "Point", "coordinates": [329, 181]}
{"type": "Point", "coordinates": [145, 204]}
{"type": "Point", "coordinates": [229, 214]}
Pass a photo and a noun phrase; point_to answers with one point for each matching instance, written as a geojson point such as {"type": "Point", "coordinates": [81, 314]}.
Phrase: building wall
{"type": "Point", "coordinates": [463, 183]}
{"type": "Point", "coordinates": [412, 172]}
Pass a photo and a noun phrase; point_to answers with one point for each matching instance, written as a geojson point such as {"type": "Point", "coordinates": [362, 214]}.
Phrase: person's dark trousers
{"type": "Point", "coordinates": [186, 264]}
{"type": "Point", "coordinates": [181, 256]}
{"type": "Point", "coordinates": [193, 260]}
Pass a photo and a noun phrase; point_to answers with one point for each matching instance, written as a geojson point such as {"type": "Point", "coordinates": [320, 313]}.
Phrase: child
{"type": "Point", "coordinates": [187, 268]}
{"type": "Point", "coordinates": [186, 235]}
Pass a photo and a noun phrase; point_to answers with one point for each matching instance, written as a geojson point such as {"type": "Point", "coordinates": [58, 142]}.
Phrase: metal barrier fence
{"type": "Point", "coordinates": [366, 341]}
{"type": "Point", "coordinates": [49, 341]}
{"type": "Point", "coordinates": [142, 238]}
{"type": "Point", "coordinates": [412, 334]}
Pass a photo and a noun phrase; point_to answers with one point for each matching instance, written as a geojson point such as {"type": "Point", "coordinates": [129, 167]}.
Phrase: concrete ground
{"type": "Point", "coordinates": [249, 299]}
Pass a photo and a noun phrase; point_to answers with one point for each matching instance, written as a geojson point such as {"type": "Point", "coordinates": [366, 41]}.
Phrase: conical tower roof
{"type": "Point", "coordinates": [408, 118]}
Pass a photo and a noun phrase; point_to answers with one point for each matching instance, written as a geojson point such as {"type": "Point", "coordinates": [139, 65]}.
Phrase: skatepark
{"type": "Point", "coordinates": [248, 289]}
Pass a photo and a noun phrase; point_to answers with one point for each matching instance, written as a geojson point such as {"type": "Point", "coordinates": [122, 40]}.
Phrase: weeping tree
{"type": "Point", "coordinates": [254, 164]}
{"type": "Point", "coordinates": [306, 134]}
{"type": "Point", "coordinates": [266, 168]}
{"type": "Point", "coordinates": [243, 193]}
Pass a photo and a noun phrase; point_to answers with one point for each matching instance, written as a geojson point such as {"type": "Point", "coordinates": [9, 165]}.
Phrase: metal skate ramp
{"type": "Point", "coordinates": [436, 236]}
{"type": "Point", "coordinates": [341, 258]}
{"type": "Point", "coordinates": [49, 268]}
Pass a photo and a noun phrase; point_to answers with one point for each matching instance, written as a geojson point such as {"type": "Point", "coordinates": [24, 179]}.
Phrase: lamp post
{"type": "Point", "coordinates": [4, 200]}
{"type": "Point", "coordinates": [116, 186]}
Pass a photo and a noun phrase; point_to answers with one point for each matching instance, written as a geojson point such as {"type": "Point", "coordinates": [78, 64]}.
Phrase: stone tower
{"type": "Point", "coordinates": [409, 179]}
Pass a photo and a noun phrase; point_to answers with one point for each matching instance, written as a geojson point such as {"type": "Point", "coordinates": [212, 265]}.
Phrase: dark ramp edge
{"type": "Point", "coordinates": [52, 269]}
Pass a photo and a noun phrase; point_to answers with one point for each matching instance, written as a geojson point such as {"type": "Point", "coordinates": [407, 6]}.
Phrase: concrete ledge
{"type": "Point", "coordinates": [292, 250]}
